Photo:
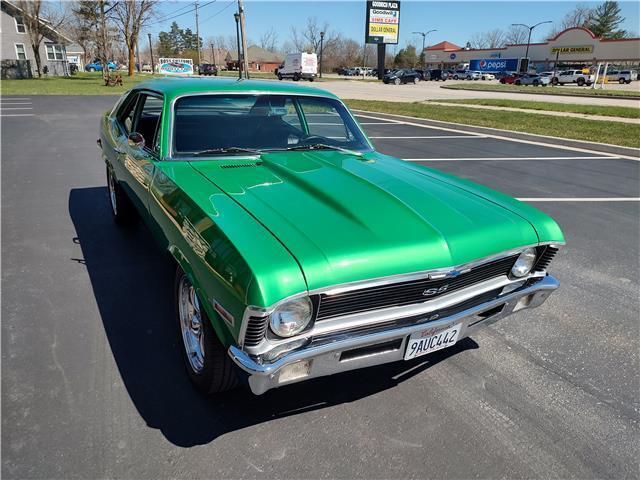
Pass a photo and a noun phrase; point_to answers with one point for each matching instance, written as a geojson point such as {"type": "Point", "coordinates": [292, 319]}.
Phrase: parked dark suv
{"type": "Point", "coordinates": [208, 69]}
{"type": "Point", "coordinates": [405, 75]}
{"type": "Point", "coordinates": [437, 74]}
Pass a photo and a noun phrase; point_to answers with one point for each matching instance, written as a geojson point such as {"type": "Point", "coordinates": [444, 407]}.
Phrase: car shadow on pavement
{"type": "Point", "coordinates": [132, 283]}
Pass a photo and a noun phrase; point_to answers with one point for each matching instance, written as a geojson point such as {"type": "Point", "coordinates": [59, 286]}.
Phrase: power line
{"type": "Point", "coordinates": [219, 11]}
{"type": "Point", "coordinates": [162, 18]}
{"type": "Point", "coordinates": [181, 14]}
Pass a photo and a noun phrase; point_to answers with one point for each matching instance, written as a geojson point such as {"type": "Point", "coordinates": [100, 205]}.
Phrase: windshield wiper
{"type": "Point", "coordinates": [223, 150]}
{"type": "Point", "coordinates": [323, 146]}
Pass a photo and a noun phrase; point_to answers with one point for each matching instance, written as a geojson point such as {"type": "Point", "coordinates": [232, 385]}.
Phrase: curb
{"type": "Point", "coordinates": [612, 97]}
{"type": "Point", "coordinates": [531, 137]}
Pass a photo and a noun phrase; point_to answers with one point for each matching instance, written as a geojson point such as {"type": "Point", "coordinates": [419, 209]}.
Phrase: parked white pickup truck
{"type": "Point", "coordinates": [574, 76]}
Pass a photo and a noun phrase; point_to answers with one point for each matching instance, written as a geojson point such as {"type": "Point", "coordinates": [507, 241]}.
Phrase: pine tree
{"type": "Point", "coordinates": [605, 21]}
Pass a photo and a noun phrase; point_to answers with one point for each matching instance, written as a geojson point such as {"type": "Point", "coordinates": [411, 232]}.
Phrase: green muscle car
{"type": "Point", "coordinates": [300, 250]}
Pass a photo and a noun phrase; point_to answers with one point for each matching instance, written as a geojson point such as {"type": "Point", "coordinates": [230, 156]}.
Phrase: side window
{"type": "Point", "coordinates": [291, 117]}
{"type": "Point", "coordinates": [127, 111]}
{"type": "Point", "coordinates": [324, 120]}
{"type": "Point", "coordinates": [148, 120]}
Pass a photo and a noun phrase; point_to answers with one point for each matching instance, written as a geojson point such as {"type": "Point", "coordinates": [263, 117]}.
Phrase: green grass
{"type": "Point", "coordinates": [616, 133]}
{"type": "Point", "coordinates": [584, 91]}
{"type": "Point", "coordinates": [625, 112]}
{"type": "Point", "coordinates": [79, 84]}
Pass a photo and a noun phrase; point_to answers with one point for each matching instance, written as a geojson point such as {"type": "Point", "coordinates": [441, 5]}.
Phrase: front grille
{"type": "Point", "coordinates": [407, 293]}
{"type": "Point", "coordinates": [545, 255]}
{"type": "Point", "coordinates": [256, 329]}
{"type": "Point", "coordinates": [416, 319]}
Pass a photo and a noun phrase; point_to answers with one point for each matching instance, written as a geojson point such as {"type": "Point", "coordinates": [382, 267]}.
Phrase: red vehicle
{"type": "Point", "coordinates": [510, 78]}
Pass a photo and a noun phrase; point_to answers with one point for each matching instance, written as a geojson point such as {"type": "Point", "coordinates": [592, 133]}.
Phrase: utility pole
{"type": "Point", "coordinates": [530, 28]}
{"type": "Point", "coordinates": [236, 16]}
{"type": "Point", "coordinates": [321, 50]}
{"type": "Point", "coordinates": [424, 35]}
{"type": "Point", "coordinates": [153, 67]}
{"type": "Point", "coordinates": [245, 60]}
{"type": "Point", "coordinates": [198, 36]}
{"type": "Point", "coordinates": [213, 55]}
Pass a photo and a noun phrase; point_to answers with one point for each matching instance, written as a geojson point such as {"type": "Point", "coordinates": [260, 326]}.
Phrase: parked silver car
{"type": "Point", "coordinates": [532, 79]}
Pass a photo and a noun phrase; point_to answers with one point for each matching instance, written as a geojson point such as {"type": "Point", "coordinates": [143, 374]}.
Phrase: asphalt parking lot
{"type": "Point", "coordinates": [92, 380]}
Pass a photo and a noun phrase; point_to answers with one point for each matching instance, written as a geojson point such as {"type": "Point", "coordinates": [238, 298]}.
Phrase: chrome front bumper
{"type": "Point", "coordinates": [350, 353]}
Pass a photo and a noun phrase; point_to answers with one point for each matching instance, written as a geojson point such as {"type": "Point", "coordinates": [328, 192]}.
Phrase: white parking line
{"type": "Point", "coordinates": [379, 123]}
{"type": "Point", "coordinates": [15, 103]}
{"type": "Point", "coordinates": [17, 115]}
{"type": "Point", "coordinates": [3, 108]}
{"type": "Point", "coordinates": [438, 136]}
{"type": "Point", "coordinates": [581, 199]}
{"type": "Point", "coordinates": [11, 99]}
{"type": "Point", "coordinates": [509, 159]}
{"type": "Point", "coordinates": [498, 137]}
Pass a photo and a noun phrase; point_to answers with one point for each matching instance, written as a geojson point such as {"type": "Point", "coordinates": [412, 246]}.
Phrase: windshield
{"type": "Point", "coordinates": [252, 123]}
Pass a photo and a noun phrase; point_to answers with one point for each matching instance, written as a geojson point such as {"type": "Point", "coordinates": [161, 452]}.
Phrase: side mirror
{"type": "Point", "coordinates": [135, 140]}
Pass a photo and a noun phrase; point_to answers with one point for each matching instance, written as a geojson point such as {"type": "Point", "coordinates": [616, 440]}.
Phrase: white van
{"type": "Point", "coordinates": [299, 65]}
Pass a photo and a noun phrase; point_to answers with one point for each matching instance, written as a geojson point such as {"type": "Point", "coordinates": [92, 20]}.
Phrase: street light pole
{"type": "Point", "coordinates": [530, 28]}
{"type": "Point", "coordinates": [237, 17]}
{"type": "Point", "coordinates": [321, 49]}
{"type": "Point", "coordinates": [153, 67]}
{"type": "Point", "coordinates": [424, 35]}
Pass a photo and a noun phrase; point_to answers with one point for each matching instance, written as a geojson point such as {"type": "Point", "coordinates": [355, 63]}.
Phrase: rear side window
{"type": "Point", "coordinates": [148, 120]}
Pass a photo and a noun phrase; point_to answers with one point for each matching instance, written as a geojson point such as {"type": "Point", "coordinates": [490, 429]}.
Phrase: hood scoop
{"type": "Point", "coordinates": [241, 164]}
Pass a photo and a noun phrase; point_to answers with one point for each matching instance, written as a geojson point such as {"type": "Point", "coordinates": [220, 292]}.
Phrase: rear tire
{"type": "Point", "coordinates": [296, 77]}
{"type": "Point", "coordinates": [397, 81]}
{"type": "Point", "coordinates": [518, 82]}
{"type": "Point", "coordinates": [621, 81]}
{"type": "Point", "coordinates": [279, 76]}
{"type": "Point", "coordinates": [91, 69]}
{"type": "Point", "coordinates": [580, 82]}
{"type": "Point", "coordinates": [208, 366]}
{"type": "Point", "coordinates": [536, 83]}
{"type": "Point", "coordinates": [554, 81]}
{"type": "Point", "coordinates": [121, 208]}
{"type": "Point", "coordinates": [416, 81]}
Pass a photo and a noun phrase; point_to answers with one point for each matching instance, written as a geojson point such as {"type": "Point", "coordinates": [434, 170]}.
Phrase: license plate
{"type": "Point", "coordinates": [430, 340]}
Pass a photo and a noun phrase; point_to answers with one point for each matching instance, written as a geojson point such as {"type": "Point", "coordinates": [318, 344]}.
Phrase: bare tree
{"type": "Point", "coordinates": [130, 17]}
{"type": "Point", "coordinates": [516, 35]}
{"type": "Point", "coordinates": [308, 39]}
{"type": "Point", "coordinates": [580, 16]}
{"type": "Point", "coordinates": [269, 39]}
{"type": "Point", "coordinates": [38, 20]}
{"type": "Point", "coordinates": [491, 39]}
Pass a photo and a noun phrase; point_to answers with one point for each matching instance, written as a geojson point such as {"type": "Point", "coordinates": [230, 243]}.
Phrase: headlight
{"type": "Point", "coordinates": [524, 263]}
{"type": "Point", "coordinates": [292, 317]}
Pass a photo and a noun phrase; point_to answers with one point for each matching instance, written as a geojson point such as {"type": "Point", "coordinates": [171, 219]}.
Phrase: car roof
{"type": "Point", "coordinates": [173, 87]}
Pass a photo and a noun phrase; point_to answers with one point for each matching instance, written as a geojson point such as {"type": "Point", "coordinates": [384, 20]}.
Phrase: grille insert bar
{"type": "Point", "coordinates": [407, 293]}
{"type": "Point", "coordinates": [545, 255]}
{"type": "Point", "coordinates": [256, 330]}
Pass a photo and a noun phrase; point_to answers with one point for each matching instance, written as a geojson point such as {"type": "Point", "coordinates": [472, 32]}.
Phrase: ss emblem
{"type": "Point", "coordinates": [430, 292]}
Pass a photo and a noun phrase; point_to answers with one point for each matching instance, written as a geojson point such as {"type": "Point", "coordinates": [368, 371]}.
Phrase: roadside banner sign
{"type": "Point", "coordinates": [176, 66]}
{"type": "Point", "coordinates": [494, 64]}
{"type": "Point", "coordinates": [383, 22]}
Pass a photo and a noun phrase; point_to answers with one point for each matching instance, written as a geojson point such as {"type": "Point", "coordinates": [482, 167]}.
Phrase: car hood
{"type": "Point", "coordinates": [347, 217]}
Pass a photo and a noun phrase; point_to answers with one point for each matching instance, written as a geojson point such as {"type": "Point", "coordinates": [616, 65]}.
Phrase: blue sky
{"type": "Point", "coordinates": [456, 21]}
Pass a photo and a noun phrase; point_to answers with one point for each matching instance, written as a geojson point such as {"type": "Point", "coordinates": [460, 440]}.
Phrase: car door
{"type": "Point", "coordinates": [137, 147]}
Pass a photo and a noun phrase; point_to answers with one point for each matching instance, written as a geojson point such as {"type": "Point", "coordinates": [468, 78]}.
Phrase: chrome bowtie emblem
{"type": "Point", "coordinates": [430, 292]}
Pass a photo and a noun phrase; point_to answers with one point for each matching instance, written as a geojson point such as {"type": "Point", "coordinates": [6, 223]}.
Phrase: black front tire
{"type": "Point", "coordinates": [122, 209]}
{"type": "Point", "coordinates": [218, 372]}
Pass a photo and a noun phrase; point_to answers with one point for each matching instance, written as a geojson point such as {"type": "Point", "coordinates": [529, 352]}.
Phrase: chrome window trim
{"type": "Point", "coordinates": [249, 92]}
{"type": "Point", "coordinates": [256, 311]}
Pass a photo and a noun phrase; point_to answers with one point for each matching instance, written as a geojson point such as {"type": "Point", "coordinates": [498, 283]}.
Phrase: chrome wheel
{"type": "Point", "coordinates": [191, 324]}
{"type": "Point", "coordinates": [112, 193]}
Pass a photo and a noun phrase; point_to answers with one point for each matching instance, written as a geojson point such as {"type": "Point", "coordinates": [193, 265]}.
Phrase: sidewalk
{"type": "Point", "coordinates": [541, 112]}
